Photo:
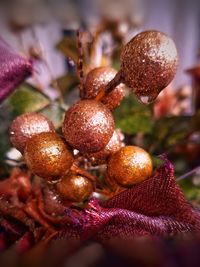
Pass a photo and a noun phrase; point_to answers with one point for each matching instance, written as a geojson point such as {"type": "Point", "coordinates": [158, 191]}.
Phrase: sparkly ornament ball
{"type": "Point", "coordinates": [115, 143]}
{"type": "Point", "coordinates": [47, 156]}
{"type": "Point", "coordinates": [129, 166]}
{"type": "Point", "coordinates": [74, 187]}
{"type": "Point", "coordinates": [96, 81]}
{"type": "Point", "coordinates": [27, 125]}
{"type": "Point", "coordinates": [88, 126]}
{"type": "Point", "coordinates": [148, 64]}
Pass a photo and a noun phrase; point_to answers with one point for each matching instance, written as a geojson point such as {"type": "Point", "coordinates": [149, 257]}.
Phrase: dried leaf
{"type": "Point", "coordinates": [68, 47]}
{"type": "Point", "coordinates": [196, 121]}
{"type": "Point", "coordinates": [67, 82]}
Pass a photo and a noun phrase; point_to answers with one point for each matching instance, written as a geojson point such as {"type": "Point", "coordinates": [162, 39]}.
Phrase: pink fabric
{"type": "Point", "coordinates": [156, 207]}
{"type": "Point", "coordinates": [14, 69]}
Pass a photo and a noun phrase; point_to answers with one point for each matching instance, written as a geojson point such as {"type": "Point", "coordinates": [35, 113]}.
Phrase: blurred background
{"type": "Point", "coordinates": [50, 19]}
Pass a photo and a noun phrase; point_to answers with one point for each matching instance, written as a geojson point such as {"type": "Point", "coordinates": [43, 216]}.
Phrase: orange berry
{"type": "Point", "coordinates": [115, 143]}
{"type": "Point", "coordinates": [129, 165]}
{"type": "Point", "coordinates": [74, 187]}
{"type": "Point", "coordinates": [47, 156]}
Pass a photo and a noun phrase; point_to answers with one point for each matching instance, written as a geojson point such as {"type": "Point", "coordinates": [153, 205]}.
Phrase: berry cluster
{"type": "Point", "coordinates": [148, 64]}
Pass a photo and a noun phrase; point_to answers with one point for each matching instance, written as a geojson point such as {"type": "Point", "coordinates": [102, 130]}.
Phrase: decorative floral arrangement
{"type": "Point", "coordinates": [75, 174]}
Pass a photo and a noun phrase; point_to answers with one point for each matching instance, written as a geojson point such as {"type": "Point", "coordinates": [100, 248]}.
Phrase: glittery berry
{"type": "Point", "coordinates": [47, 156]}
{"type": "Point", "coordinates": [27, 125]}
{"type": "Point", "coordinates": [115, 143]}
{"type": "Point", "coordinates": [88, 126]}
{"type": "Point", "coordinates": [75, 188]}
{"type": "Point", "coordinates": [130, 165]}
{"type": "Point", "coordinates": [96, 81]}
{"type": "Point", "coordinates": [148, 64]}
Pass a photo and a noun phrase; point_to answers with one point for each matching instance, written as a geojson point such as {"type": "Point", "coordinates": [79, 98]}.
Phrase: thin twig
{"type": "Point", "coordinates": [79, 65]}
{"type": "Point", "coordinates": [86, 174]}
{"type": "Point", "coordinates": [186, 175]}
{"type": "Point", "coordinates": [45, 61]}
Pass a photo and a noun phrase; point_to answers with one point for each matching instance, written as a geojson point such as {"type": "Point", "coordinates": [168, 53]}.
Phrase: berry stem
{"type": "Point", "coordinates": [48, 68]}
{"type": "Point", "coordinates": [83, 172]}
{"type": "Point", "coordinates": [80, 71]}
{"type": "Point", "coordinates": [86, 174]}
{"type": "Point", "coordinates": [114, 187]}
{"type": "Point", "coordinates": [110, 86]}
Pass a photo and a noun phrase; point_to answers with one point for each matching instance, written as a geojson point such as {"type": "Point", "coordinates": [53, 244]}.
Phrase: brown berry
{"type": "Point", "coordinates": [115, 143]}
{"type": "Point", "coordinates": [75, 188]}
{"type": "Point", "coordinates": [27, 125]}
{"type": "Point", "coordinates": [88, 126]}
{"type": "Point", "coordinates": [148, 64]}
{"type": "Point", "coordinates": [96, 81]}
{"type": "Point", "coordinates": [130, 165]}
{"type": "Point", "coordinates": [47, 156]}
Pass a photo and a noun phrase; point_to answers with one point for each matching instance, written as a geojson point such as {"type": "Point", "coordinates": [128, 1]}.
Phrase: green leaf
{"type": "Point", "coordinates": [132, 117]}
{"type": "Point", "coordinates": [4, 136]}
{"type": "Point", "coordinates": [169, 131]}
{"type": "Point", "coordinates": [68, 47]}
{"type": "Point", "coordinates": [55, 113]}
{"type": "Point", "coordinates": [26, 98]}
{"type": "Point", "coordinates": [191, 191]}
{"type": "Point", "coordinates": [5, 117]}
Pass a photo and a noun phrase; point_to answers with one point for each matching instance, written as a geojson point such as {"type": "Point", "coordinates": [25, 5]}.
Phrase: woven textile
{"type": "Point", "coordinates": [155, 207]}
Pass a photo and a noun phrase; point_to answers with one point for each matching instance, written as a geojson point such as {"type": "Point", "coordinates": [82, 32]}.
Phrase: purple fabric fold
{"type": "Point", "coordinates": [14, 69]}
{"type": "Point", "coordinates": [156, 207]}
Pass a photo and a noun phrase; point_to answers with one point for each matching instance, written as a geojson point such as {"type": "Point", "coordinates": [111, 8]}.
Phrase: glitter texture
{"type": "Point", "coordinates": [115, 143]}
{"type": "Point", "coordinates": [129, 166]}
{"type": "Point", "coordinates": [47, 156]}
{"type": "Point", "coordinates": [148, 64]}
{"type": "Point", "coordinates": [96, 80]}
{"type": "Point", "coordinates": [14, 70]}
{"type": "Point", "coordinates": [27, 125]}
{"type": "Point", "coordinates": [74, 187]}
{"type": "Point", "coordinates": [88, 126]}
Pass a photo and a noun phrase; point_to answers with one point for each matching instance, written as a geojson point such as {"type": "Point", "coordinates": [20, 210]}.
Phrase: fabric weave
{"type": "Point", "coordinates": [156, 207]}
